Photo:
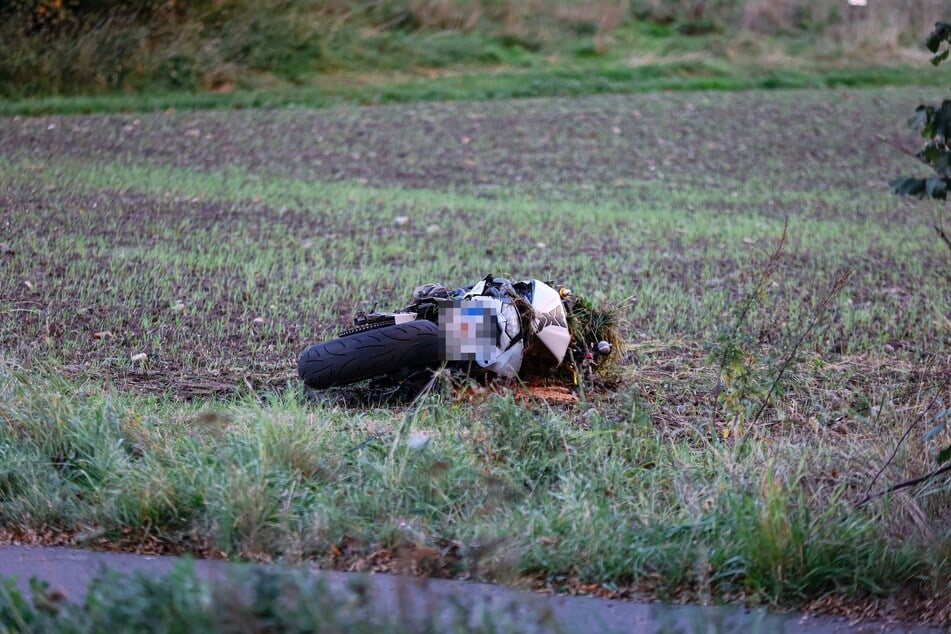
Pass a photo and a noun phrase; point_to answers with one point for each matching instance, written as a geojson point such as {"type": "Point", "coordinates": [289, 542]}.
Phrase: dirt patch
{"type": "Point", "coordinates": [551, 143]}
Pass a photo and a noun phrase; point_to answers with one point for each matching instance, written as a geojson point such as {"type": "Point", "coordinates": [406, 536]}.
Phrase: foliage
{"type": "Point", "coordinates": [94, 47]}
{"type": "Point", "coordinates": [934, 123]}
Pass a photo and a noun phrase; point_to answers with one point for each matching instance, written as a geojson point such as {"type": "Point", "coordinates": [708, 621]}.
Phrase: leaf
{"type": "Point", "coordinates": [934, 431]}
{"type": "Point", "coordinates": [921, 116]}
{"type": "Point", "coordinates": [942, 31]}
{"type": "Point", "coordinates": [929, 153]}
{"type": "Point", "coordinates": [944, 454]}
{"type": "Point", "coordinates": [908, 186]}
{"type": "Point", "coordinates": [936, 187]}
{"type": "Point", "coordinates": [942, 166]}
{"type": "Point", "coordinates": [941, 121]}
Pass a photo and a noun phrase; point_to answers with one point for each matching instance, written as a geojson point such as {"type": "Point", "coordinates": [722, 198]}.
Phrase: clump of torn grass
{"type": "Point", "coordinates": [592, 324]}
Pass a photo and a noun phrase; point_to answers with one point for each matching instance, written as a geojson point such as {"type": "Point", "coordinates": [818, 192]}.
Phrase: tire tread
{"type": "Point", "coordinates": [367, 354]}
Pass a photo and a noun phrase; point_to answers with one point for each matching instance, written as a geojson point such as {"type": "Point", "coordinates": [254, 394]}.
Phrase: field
{"type": "Point", "coordinates": [785, 321]}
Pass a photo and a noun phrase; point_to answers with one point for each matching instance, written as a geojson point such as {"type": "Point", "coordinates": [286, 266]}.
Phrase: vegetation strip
{"type": "Point", "coordinates": [473, 86]}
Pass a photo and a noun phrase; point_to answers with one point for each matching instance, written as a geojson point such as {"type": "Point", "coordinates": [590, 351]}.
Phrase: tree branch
{"type": "Point", "coordinates": [904, 436]}
{"type": "Point", "coordinates": [904, 485]}
{"type": "Point", "coordinates": [898, 146]}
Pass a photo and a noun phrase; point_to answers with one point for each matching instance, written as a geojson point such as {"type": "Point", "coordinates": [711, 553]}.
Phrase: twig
{"type": "Point", "coordinates": [943, 235]}
{"type": "Point", "coordinates": [820, 312]}
{"type": "Point", "coordinates": [904, 485]}
{"type": "Point", "coordinates": [898, 146]}
{"type": "Point", "coordinates": [905, 435]}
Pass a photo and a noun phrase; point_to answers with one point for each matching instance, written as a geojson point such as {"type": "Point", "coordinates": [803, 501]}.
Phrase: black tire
{"type": "Point", "coordinates": [367, 354]}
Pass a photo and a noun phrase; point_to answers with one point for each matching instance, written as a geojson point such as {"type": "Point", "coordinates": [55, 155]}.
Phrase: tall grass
{"type": "Point", "coordinates": [497, 489]}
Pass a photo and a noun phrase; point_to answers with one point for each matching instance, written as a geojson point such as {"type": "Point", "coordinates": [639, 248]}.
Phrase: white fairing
{"type": "Point", "coordinates": [550, 321]}
{"type": "Point", "coordinates": [509, 359]}
{"type": "Point", "coordinates": [507, 363]}
{"type": "Point", "coordinates": [549, 324]}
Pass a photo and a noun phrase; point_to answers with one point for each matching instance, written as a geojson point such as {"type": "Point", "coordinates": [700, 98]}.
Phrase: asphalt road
{"type": "Point", "coordinates": [70, 571]}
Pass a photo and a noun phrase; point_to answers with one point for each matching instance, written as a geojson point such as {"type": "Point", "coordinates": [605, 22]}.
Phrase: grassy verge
{"type": "Point", "coordinates": [497, 85]}
{"type": "Point", "coordinates": [495, 490]}
{"type": "Point", "coordinates": [94, 57]}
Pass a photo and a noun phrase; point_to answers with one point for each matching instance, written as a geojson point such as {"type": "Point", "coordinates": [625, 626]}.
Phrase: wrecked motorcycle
{"type": "Point", "coordinates": [495, 325]}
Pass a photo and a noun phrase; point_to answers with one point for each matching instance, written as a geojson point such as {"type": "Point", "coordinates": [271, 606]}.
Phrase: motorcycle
{"type": "Point", "coordinates": [496, 326]}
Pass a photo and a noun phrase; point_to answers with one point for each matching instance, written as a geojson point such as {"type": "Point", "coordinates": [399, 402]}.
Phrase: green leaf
{"type": "Point", "coordinates": [942, 31]}
{"type": "Point", "coordinates": [908, 186]}
{"type": "Point", "coordinates": [929, 154]}
{"type": "Point", "coordinates": [941, 121]}
{"type": "Point", "coordinates": [944, 454]}
{"type": "Point", "coordinates": [936, 187]}
{"type": "Point", "coordinates": [920, 118]}
{"type": "Point", "coordinates": [942, 166]}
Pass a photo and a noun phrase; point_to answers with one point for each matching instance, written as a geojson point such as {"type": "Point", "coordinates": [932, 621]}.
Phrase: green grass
{"type": "Point", "coordinates": [257, 258]}
{"type": "Point", "coordinates": [286, 479]}
{"type": "Point", "coordinates": [481, 85]}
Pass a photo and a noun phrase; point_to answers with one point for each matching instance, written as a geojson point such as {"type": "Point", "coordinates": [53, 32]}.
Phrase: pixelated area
{"type": "Point", "coordinates": [468, 331]}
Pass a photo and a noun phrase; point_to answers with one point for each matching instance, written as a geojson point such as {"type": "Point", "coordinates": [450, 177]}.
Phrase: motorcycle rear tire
{"type": "Point", "coordinates": [364, 355]}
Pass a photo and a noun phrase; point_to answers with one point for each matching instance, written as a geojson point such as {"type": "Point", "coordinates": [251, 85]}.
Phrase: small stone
{"type": "Point", "coordinates": [401, 221]}
{"type": "Point", "coordinates": [139, 358]}
{"type": "Point", "coordinates": [433, 229]}
{"type": "Point", "coordinates": [257, 321]}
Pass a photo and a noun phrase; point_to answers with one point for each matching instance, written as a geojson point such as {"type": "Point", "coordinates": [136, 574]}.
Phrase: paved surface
{"type": "Point", "coordinates": [70, 571]}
